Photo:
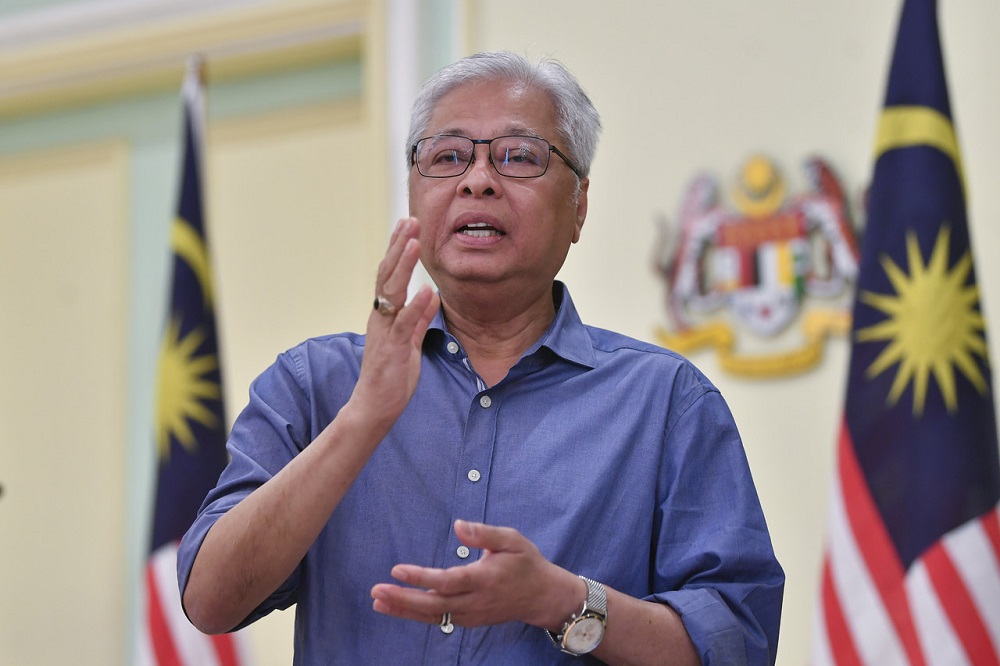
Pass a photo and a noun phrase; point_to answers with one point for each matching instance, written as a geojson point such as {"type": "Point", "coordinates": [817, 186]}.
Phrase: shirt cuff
{"type": "Point", "coordinates": [716, 633]}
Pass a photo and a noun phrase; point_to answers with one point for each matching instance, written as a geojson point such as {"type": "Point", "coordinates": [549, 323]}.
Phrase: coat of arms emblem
{"type": "Point", "coordinates": [758, 267]}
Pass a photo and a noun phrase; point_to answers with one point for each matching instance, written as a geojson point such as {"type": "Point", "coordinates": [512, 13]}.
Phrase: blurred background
{"type": "Point", "coordinates": [89, 163]}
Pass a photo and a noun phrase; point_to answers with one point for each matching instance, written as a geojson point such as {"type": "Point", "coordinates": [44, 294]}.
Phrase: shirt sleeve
{"type": "Point", "coordinates": [269, 432]}
{"type": "Point", "coordinates": [714, 559]}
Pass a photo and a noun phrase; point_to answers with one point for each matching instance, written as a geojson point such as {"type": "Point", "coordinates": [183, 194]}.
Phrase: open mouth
{"type": "Point", "coordinates": [479, 230]}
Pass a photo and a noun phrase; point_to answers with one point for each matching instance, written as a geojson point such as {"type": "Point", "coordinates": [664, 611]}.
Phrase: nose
{"type": "Point", "coordinates": [481, 178]}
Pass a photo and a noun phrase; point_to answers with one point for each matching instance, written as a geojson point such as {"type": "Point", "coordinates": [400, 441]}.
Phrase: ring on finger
{"type": "Point", "coordinates": [446, 625]}
{"type": "Point", "coordinates": [384, 306]}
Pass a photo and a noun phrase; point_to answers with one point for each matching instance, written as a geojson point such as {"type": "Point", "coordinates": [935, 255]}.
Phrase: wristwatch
{"type": "Point", "coordinates": [583, 632]}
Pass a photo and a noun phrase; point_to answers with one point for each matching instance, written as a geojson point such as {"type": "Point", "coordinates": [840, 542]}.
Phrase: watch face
{"type": "Point", "coordinates": [585, 635]}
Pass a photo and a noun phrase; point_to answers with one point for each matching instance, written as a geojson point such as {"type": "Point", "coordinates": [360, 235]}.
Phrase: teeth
{"type": "Point", "coordinates": [479, 230]}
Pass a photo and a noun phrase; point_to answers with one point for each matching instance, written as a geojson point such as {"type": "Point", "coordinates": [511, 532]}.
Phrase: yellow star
{"type": "Point", "coordinates": [933, 323]}
{"type": "Point", "coordinates": [182, 386]}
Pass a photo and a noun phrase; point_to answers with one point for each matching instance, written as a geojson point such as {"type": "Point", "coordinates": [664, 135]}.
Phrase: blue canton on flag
{"type": "Point", "coordinates": [912, 569]}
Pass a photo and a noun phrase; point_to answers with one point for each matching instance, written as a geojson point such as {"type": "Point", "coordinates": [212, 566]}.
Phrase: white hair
{"type": "Point", "coordinates": [577, 121]}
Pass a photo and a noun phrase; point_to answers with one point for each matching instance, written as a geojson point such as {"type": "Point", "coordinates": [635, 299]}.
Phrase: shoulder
{"type": "Point", "coordinates": [616, 348]}
{"type": "Point", "coordinates": [326, 348]}
{"type": "Point", "coordinates": [658, 378]}
{"type": "Point", "coordinates": [314, 359]}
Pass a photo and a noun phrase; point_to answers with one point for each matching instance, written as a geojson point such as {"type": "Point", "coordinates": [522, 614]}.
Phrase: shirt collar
{"type": "Point", "coordinates": [566, 336]}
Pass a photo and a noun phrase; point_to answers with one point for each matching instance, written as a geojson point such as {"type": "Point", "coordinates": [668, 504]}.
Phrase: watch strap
{"type": "Point", "coordinates": [596, 603]}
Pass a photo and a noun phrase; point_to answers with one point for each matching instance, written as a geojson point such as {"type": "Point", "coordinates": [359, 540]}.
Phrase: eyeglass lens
{"type": "Point", "coordinates": [443, 156]}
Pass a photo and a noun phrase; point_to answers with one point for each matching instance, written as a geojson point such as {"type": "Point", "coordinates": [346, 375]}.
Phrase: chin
{"type": "Point", "coordinates": [467, 278]}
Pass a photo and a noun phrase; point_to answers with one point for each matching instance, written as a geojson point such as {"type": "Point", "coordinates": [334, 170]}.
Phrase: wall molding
{"type": "Point", "coordinates": [95, 51]}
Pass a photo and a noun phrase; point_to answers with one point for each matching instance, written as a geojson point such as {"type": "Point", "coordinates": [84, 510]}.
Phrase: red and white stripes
{"type": "Point", "coordinates": [944, 610]}
{"type": "Point", "coordinates": [167, 638]}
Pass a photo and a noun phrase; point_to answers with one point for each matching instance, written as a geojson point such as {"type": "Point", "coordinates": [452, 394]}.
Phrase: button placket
{"type": "Point", "coordinates": [477, 451]}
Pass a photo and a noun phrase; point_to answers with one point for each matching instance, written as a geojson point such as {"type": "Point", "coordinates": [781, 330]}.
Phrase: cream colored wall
{"type": "Point", "coordinates": [291, 241]}
{"type": "Point", "coordinates": [63, 329]}
{"type": "Point", "coordinates": [689, 86]}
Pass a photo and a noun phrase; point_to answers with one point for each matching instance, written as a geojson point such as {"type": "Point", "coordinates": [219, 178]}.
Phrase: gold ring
{"type": "Point", "coordinates": [384, 307]}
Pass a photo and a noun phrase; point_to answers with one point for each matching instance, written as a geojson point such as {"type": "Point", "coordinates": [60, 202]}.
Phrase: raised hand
{"type": "Point", "coordinates": [391, 364]}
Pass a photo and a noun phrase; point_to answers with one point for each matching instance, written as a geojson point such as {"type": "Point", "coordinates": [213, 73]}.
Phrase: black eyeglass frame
{"type": "Point", "coordinates": [487, 142]}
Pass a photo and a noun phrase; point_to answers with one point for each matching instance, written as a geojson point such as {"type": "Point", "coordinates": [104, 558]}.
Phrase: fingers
{"type": "Point", "coordinates": [463, 579]}
{"type": "Point", "coordinates": [407, 603]}
{"type": "Point", "coordinates": [425, 306]}
{"type": "Point", "coordinates": [396, 267]}
{"type": "Point", "coordinates": [476, 593]}
{"type": "Point", "coordinates": [443, 582]}
{"type": "Point", "coordinates": [393, 279]}
{"type": "Point", "coordinates": [415, 603]}
{"type": "Point", "coordinates": [408, 325]}
{"type": "Point", "coordinates": [487, 537]}
{"type": "Point", "coordinates": [391, 364]}
{"type": "Point", "coordinates": [428, 593]}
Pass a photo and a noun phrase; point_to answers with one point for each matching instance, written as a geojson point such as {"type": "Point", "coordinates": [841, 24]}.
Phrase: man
{"type": "Point", "coordinates": [436, 490]}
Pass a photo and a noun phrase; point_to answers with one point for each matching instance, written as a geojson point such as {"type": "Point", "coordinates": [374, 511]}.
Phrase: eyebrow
{"type": "Point", "coordinates": [509, 130]}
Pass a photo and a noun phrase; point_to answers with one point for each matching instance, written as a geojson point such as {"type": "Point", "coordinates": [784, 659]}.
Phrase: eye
{"type": "Point", "coordinates": [520, 151]}
{"type": "Point", "coordinates": [532, 154]}
{"type": "Point", "coordinates": [445, 157]}
{"type": "Point", "coordinates": [521, 155]}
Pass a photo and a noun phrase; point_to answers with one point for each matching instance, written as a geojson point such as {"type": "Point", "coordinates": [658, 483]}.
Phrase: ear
{"type": "Point", "coordinates": [410, 197]}
{"type": "Point", "coordinates": [581, 208]}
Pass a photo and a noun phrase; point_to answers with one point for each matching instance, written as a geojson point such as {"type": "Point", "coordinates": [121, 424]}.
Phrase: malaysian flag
{"type": "Point", "coordinates": [912, 567]}
{"type": "Point", "coordinates": [190, 421]}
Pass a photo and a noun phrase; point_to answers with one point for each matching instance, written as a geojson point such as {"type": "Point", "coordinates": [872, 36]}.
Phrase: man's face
{"type": "Point", "coordinates": [482, 227]}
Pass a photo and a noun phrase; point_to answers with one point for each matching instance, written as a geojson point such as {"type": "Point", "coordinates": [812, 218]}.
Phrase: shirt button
{"type": "Point", "coordinates": [462, 552]}
{"type": "Point", "coordinates": [485, 402]}
{"type": "Point", "coordinates": [474, 475]}
{"type": "Point", "coordinates": [453, 347]}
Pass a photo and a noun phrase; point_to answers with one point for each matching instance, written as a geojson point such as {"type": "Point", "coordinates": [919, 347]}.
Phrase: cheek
{"type": "Point", "coordinates": [427, 203]}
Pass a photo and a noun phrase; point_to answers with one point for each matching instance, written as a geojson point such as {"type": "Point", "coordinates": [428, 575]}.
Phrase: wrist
{"type": "Point", "coordinates": [568, 600]}
{"type": "Point", "coordinates": [365, 419]}
{"type": "Point", "coordinates": [584, 630]}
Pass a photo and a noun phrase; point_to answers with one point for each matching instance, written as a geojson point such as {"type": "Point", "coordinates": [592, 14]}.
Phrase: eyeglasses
{"type": "Point", "coordinates": [449, 155]}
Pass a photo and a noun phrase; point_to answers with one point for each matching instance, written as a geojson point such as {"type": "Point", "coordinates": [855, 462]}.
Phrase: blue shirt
{"type": "Point", "coordinates": [617, 458]}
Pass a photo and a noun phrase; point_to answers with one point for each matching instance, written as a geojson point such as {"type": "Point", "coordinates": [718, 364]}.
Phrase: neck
{"type": "Point", "coordinates": [496, 331]}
